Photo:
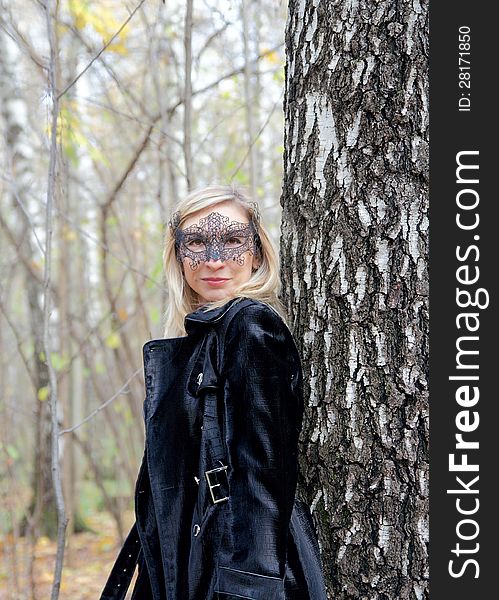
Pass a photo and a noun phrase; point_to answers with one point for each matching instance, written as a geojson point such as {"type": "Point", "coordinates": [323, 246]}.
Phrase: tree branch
{"type": "Point", "coordinates": [125, 23]}
{"type": "Point", "coordinates": [102, 406]}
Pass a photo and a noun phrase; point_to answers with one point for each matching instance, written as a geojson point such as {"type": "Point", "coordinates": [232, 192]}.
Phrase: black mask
{"type": "Point", "coordinates": [215, 237]}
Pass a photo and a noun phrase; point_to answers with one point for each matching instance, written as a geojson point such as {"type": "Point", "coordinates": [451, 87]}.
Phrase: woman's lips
{"type": "Point", "coordinates": [215, 281]}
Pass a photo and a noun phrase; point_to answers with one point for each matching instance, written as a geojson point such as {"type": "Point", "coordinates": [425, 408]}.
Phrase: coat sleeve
{"type": "Point", "coordinates": [263, 414]}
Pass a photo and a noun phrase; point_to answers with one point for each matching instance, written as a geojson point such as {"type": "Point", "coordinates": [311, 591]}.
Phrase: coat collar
{"type": "Point", "coordinates": [201, 316]}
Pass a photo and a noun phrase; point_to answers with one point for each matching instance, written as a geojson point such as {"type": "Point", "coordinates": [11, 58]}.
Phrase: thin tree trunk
{"type": "Point", "coordinates": [248, 96]}
{"type": "Point", "coordinates": [64, 381]}
{"type": "Point", "coordinates": [188, 95]}
{"type": "Point", "coordinates": [257, 101]}
{"type": "Point", "coordinates": [355, 230]}
{"type": "Point", "coordinates": [51, 17]}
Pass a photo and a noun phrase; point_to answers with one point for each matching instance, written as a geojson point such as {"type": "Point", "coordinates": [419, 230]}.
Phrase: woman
{"type": "Point", "coordinates": [216, 512]}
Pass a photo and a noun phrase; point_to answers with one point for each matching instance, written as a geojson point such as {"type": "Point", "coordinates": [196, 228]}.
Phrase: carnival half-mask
{"type": "Point", "coordinates": [216, 237]}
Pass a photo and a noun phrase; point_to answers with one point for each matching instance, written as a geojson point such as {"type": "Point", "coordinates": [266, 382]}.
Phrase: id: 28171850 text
{"type": "Point", "coordinates": [464, 68]}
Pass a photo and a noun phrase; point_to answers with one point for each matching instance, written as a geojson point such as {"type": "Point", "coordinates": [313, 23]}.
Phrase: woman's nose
{"type": "Point", "coordinates": [212, 262]}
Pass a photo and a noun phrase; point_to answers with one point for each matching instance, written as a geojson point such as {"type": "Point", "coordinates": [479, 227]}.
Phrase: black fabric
{"type": "Point", "coordinates": [230, 393]}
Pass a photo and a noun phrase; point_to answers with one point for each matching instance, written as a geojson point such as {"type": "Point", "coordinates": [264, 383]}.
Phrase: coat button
{"type": "Point", "coordinates": [197, 529]}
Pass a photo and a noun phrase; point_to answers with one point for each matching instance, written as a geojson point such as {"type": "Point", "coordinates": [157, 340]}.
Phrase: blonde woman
{"type": "Point", "coordinates": [216, 512]}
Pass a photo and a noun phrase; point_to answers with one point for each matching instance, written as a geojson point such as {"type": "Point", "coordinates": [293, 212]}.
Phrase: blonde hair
{"type": "Point", "coordinates": [264, 283]}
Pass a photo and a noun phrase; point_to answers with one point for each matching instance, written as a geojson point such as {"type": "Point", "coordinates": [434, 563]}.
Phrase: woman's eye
{"type": "Point", "coordinates": [195, 244]}
{"type": "Point", "coordinates": [234, 241]}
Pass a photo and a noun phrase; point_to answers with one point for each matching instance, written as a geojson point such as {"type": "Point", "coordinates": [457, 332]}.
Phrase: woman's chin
{"type": "Point", "coordinates": [213, 295]}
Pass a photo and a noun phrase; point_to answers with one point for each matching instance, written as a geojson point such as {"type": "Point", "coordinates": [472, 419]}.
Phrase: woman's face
{"type": "Point", "coordinates": [215, 279]}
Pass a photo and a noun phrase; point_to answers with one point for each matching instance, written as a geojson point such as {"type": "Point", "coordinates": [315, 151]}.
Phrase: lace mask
{"type": "Point", "coordinates": [216, 237]}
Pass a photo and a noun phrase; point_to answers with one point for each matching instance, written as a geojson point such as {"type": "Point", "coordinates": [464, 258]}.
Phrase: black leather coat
{"type": "Point", "coordinates": [239, 367]}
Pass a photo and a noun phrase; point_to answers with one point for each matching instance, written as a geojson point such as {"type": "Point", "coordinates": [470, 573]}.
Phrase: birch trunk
{"type": "Point", "coordinates": [187, 143]}
{"type": "Point", "coordinates": [355, 229]}
{"type": "Point", "coordinates": [249, 92]}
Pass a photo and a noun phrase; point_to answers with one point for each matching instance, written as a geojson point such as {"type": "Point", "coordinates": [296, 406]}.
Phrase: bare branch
{"type": "Point", "coordinates": [208, 42]}
{"type": "Point", "coordinates": [131, 117]}
{"type": "Point", "coordinates": [102, 406]}
{"type": "Point", "coordinates": [15, 192]}
{"type": "Point", "coordinates": [256, 137]}
{"type": "Point", "coordinates": [106, 45]}
{"type": "Point", "coordinates": [215, 83]}
{"type": "Point", "coordinates": [82, 231]}
{"type": "Point", "coordinates": [127, 91]}
{"type": "Point", "coordinates": [17, 335]}
{"type": "Point", "coordinates": [20, 40]}
{"type": "Point", "coordinates": [129, 168]}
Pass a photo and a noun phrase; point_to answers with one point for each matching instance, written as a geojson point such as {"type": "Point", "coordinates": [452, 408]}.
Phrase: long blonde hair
{"type": "Point", "coordinates": [264, 283]}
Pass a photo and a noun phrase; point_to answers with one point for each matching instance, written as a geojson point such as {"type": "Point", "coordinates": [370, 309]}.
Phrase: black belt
{"type": "Point", "coordinates": [121, 574]}
{"type": "Point", "coordinates": [213, 462]}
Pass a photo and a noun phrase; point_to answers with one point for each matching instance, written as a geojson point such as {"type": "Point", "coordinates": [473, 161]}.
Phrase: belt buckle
{"type": "Point", "coordinates": [217, 473]}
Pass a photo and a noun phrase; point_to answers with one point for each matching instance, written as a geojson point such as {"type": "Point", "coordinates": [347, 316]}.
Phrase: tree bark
{"type": "Point", "coordinates": [355, 230]}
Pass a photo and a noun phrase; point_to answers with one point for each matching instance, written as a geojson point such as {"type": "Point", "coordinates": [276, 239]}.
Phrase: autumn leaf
{"type": "Point", "coordinates": [113, 341]}
{"type": "Point", "coordinates": [43, 393]}
{"type": "Point", "coordinates": [273, 57]}
{"type": "Point", "coordinates": [102, 20]}
{"type": "Point", "coordinates": [122, 314]}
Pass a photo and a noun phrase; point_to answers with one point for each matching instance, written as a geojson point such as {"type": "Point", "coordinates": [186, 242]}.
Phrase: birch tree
{"type": "Point", "coordinates": [355, 228]}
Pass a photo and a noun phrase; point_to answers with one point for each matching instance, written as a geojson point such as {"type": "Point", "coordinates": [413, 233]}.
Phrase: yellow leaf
{"type": "Point", "coordinates": [118, 48]}
{"type": "Point", "coordinates": [79, 11]}
{"type": "Point", "coordinates": [43, 393]}
{"type": "Point", "coordinates": [102, 20]}
{"type": "Point", "coordinates": [80, 21]}
{"type": "Point", "coordinates": [43, 541]}
{"type": "Point", "coordinates": [68, 233]}
{"type": "Point", "coordinates": [273, 57]}
{"type": "Point", "coordinates": [113, 341]}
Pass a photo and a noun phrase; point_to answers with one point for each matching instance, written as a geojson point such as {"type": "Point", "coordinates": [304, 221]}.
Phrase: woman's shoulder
{"type": "Point", "coordinates": [254, 318]}
{"type": "Point", "coordinates": [250, 311]}
{"type": "Point", "coordinates": [257, 327]}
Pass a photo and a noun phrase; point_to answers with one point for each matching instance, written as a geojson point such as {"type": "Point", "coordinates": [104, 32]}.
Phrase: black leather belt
{"type": "Point", "coordinates": [122, 572]}
{"type": "Point", "coordinates": [214, 449]}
